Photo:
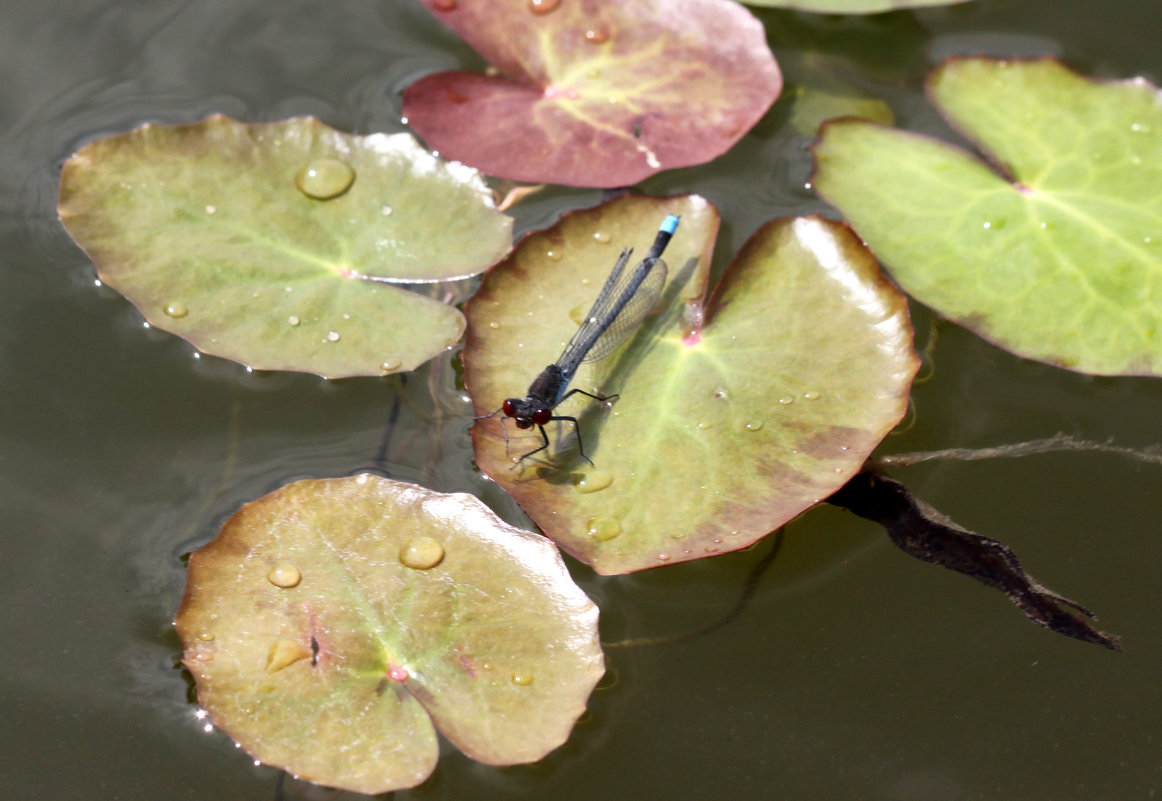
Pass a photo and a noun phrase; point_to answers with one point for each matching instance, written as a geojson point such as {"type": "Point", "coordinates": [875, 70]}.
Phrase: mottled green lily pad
{"type": "Point", "coordinates": [261, 243]}
{"type": "Point", "coordinates": [599, 93]}
{"type": "Point", "coordinates": [730, 421]}
{"type": "Point", "coordinates": [335, 625]}
{"type": "Point", "coordinates": [850, 6]}
{"type": "Point", "coordinates": [1055, 254]}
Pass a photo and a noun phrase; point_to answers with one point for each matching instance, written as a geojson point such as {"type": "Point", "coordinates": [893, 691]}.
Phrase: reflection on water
{"type": "Point", "coordinates": [851, 673]}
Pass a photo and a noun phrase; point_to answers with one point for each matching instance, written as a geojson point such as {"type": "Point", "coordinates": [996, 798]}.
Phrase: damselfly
{"type": "Point", "coordinates": [625, 299]}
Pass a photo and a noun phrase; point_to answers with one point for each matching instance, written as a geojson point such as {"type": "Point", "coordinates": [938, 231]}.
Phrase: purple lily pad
{"type": "Point", "coordinates": [596, 93]}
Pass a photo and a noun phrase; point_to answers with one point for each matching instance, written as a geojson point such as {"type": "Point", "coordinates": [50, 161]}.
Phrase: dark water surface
{"type": "Point", "coordinates": [854, 673]}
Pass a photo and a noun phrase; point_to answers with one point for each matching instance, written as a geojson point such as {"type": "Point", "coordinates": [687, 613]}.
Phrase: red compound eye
{"type": "Point", "coordinates": [542, 416]}
{"type": "Point", "coordinates": [509, 407]}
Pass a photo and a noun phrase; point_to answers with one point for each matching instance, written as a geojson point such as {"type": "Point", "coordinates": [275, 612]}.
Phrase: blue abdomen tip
{"type": "Point", "coordinates": [670, 224]}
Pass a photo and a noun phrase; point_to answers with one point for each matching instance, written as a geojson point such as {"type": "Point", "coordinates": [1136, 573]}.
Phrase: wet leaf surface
{"type": "Point", "coordinates": [850, 6]}
{"type": "Point", "coordinates": [335, 625]}
{"type": "Point", "coordinates": [1056, 253]}
{"type": "Point", "coordinates": [920, 531]}
{"type": "Point", "coordinates": [803, 363]}
{"type": "Point", "coordinates": [598, 93]}
{"type": "Point", "coordinates": [258, 242]}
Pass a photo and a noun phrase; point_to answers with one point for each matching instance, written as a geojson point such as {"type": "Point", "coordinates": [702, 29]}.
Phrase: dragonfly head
{"type": "Point", "coordinates": [526, 413]}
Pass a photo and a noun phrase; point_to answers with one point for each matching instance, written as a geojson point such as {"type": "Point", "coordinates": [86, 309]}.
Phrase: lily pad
{"type": "Point", "coordinates": [600, 93]}
{"type": "Point", "coordinates": [850, 6]}
{"type": "Point", "coordinates": [813, 107]}
{"type": "Point", "coordinates": [729, 421]}
{"type": "Point", "coordinates": [260, 242]}
{"type": "Point", "coordinates": [334, 625]}
{"type": "Point", "coordinates": [1057, 253]}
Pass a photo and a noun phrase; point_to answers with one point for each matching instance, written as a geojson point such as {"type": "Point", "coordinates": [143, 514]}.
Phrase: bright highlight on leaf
{"type": "Point", "coordinates": [335, 625]}
{"type": "Point", "coordinates": [600, 93]}
{"type": "Point", "coordinates": [1056, 255]}
{"type": "Point", "coordinates": [273, 244]}
{"type": "Point", "coordinates": [730, 421]}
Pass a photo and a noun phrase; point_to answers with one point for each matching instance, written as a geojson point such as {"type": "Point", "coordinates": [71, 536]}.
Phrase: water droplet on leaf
{"type": "Point", "coordinates": [603, 529]}
{"type": "Point", "coordinates": [597, 36]}
{"type": "Point", "coordinates": [332, 336]}
{"type": "Point", "coordinates": [176, 310]}
{"type": "Point", "coordinates": [543, 6]}
{"type": "Point", "coordinates": [593, 481]}
{"type": "Point", "coordinates": [522, 679]}
{"type": "Point", "coordinates": [284, 575]}
{"type": "Point", "coordinates": [786, 400]}
{"type": "Point", "coordinates": [602, 236]}
{"type": "Point", "coordinates": [293, 320]}
{"type": "Point", "coordinates": [390, 365]}
{"type": "Point", "coordinates": [754, 425]}
{"type": "Point", "coordinates": [421, 553]}
{"type": "Point", "coordinates": [325, 178]}
{"type": "Point", "coordinates": [811, 395]}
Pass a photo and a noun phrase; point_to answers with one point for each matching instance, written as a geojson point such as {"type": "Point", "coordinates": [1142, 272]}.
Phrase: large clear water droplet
{"type": "Point", "coordinates": [325, 178]}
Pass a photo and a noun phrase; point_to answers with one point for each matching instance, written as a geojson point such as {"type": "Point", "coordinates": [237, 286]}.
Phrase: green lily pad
{"type": "Point", "coordinates": [850, 6]}
{"type": "Point", "coordinates": [1057, 254]}
{"type": "Point", "coordinates": [334, 625]}
{"type": "Point", "coordinates": [730, 421]}
{"type": "Point", "coordinates": [813, 107]}
{"type": "Point", "coordinates": [600, 93]}
{"type": "Point", "coordinates": [261, 242]}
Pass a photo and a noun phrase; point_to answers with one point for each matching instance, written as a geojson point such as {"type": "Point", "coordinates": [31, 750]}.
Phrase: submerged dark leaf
{"type": "Point", "coordinates": [920, 531]}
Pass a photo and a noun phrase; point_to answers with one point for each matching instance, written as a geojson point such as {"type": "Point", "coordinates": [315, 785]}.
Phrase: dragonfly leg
{"type": "Point", "coordinates": [544, 436]}
{"type": "Point", "coordinates": [577, 428]}
{"type": "Point", "coordinates": [503, 427]}
{"type": "Point", "coordinates": [598, 398]}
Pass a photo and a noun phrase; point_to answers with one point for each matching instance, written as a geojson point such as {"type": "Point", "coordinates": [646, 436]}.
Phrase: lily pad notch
{"type": "Point", "coordinates": [276, 245]}
{"type": "Point", "coordinates": [1056, 255]}
{"type": "Point", "coordinates": [734, 414]}
{"type": "Point", "coordinates": [334, 625]}
{"type": "Point", "coordinates": [600, 93]}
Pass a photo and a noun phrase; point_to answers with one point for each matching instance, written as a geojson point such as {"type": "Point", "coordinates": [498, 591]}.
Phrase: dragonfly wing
{"type": "Point", "coordinates": [632, 313]}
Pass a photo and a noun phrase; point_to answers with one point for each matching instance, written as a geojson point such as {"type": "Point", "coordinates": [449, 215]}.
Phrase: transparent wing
{"type": "Point", "coordinates": [625, 300]}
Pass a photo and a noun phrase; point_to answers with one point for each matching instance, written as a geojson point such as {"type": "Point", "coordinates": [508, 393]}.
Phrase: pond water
{"type": "Point", "coordinates": [852, 671]}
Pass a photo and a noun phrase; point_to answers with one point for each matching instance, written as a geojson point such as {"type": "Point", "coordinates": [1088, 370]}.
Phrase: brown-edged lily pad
{"type": "Point", "coordinates": [335, 625]}
{"type": "Point", "coordinates": [730, 420]}
{"type": "Point", "coordinates": [600, 93]}
{"type": "Point", "coordinates": [261, 243]}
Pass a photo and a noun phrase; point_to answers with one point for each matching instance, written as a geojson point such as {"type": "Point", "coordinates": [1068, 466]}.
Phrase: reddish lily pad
{"type": "Point", "coordinates": [721, 433]}
{"type": "Point", "coordinates": [260, 242]}
{"type": "Point", "coordinates": [334, 625]}
{"type": "Point", "coordinates": [1055, 256]}
{"type": "Point", "coordinates": [599, 93]}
